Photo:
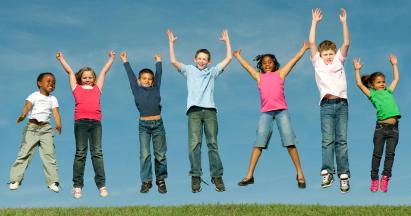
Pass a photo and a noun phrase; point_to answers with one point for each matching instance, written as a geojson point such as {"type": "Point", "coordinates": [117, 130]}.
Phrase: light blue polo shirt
{"type": "Point", "coordinates": [200, 85]}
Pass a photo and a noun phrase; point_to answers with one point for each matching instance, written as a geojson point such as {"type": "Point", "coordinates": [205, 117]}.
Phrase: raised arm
{"type": "Point", "coordinates": [106, 68]}
{"type": "Point", "coordinates": [316, 18]}
{"type": "Point", "coordinates": [67, 68]}
{"type": "Point", "coordinates": [357, 67]}
{"type": "Point", "coordinates": [130, 74]}
{"type": "Point", "coordinates": [171, 41]}
{"type": "Point", "coordinates": [159, 71]}
{"type": "Point", "coordinates": [283, 71]}
{"type": "Point", "coordinates": [247, 66]}
{"type": "Point", "coordinates": [395, 74]}
{"type": "Point", "coordinates": [57, 119]}
{"type": "Point", "coordinates": [225, 38]}
{"type": "Point", "coordinates": [346, 34]}
{"type": "Point", "coordinates": [27, 107]}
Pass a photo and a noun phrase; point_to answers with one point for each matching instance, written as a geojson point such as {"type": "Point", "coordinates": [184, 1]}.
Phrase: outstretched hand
{"type": "Point", "coordinates": [123, 56]}
{"type": "Point", "coordinates": [393, 59]}
{"type": "Point", "coordinates": [237, 53]}
{"type": "Point", "coordinates": [357, 63]}
{"type": "Point", "coordinates": [58, 129]}
{"type": "Point", "coordinates": [157, 57]}
{"type": "Point", "coordinates": [171, 37]}
{"type": "Point", "coordinates": [59, 56]}
{"type": "Point", "coordinates": [111, 54]}
{"type": "Point", "coordinates": [317, 15]}
{"type": "Point", "coordinates": [224, 36]}
{"type": "Point", "coordinates": [343, 15]}
{"type": "Point", "coordinates": [20, 118]}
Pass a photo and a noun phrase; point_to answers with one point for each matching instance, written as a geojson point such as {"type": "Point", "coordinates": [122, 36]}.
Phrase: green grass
{"type": "Point", "coordinates": [214, 210]}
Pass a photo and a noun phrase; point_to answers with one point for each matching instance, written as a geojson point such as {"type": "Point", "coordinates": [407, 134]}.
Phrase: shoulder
{"type": "Point", "coordinates": [33, 96]}
{"type": "Point", "coordinates": [315, 58]}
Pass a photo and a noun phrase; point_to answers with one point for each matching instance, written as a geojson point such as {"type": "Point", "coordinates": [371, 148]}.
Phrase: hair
{"type": "Point", "coordinates": [79, 74]}
{"type": "Point", "coordinates": [259, 60]}
{"type": "Point", "coordinates": [205, 51]}
{"type": "Point", "coordinates": [367, 80]}
{"type": "Point", "coordinates": [145, 70]}
{"type": "Point", "coordinates": [40, 77]}
{"type": "Point", "coordinates": [327, 45]}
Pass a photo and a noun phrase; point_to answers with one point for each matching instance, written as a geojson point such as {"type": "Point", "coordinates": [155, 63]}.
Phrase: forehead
{"type": "Point", "coordinates": [146, 75]}
{"type": "Point", "coordinates": [87, 73]}
{"type": "Point", "coordinates": [379, 78]}
{"type": "Point", "coordinates": [329, 51]}
{"type": "Point", "coordinates": [202, 55]}
{"type": "Point", "coordinates": [47, 77]}
{"type": "Point", "coordinates": [267, 58]}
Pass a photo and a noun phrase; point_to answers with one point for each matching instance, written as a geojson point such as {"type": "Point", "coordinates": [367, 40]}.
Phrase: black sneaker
{"type": "Point", "coordinates": [219, 183]}
{"type": "Point", "coordinates": [161, 184]}
{"type": "Point", "coordinates": [195, 184]}
{"type": "Point", "coordinates": [145, 187]}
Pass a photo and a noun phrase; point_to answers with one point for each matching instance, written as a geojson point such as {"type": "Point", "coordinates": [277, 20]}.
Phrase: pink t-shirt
{"type": "Point", "coordinates": [271, 88]}
{"type": "Point", "coordinates": [87, 103]}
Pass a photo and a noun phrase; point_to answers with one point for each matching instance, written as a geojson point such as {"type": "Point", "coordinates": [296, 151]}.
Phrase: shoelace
{"type": "Point", "coordinates": [344, 182]}
{"type": "Point", "coordinates": [325, 178]}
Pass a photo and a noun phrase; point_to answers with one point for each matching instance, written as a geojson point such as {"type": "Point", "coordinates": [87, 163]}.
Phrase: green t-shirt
{"type": "Point", "coordinates": [384, 103]}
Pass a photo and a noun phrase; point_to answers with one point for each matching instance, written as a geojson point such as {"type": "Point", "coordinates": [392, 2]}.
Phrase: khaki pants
{"type": "Point", "coordinates": [33, 136]}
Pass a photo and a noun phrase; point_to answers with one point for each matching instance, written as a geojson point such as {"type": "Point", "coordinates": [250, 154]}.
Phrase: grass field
{"type": "Point", "coordinates": [245, 209]}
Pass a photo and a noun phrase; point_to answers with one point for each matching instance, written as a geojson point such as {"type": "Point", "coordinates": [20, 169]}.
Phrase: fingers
{"type": "Point", "coordinates": [111, 54]}
{"type": "Point", "coordinates": [59, 55]}
{"type": "Point", "coordinates": [171, 36]}
{"type": "Point", "coordinates": [237, 52]}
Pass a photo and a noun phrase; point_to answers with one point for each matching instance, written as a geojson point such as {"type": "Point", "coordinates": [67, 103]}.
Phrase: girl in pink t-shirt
{"type": "Point", "coordinates": [87, 127]}
{"type": "Point", "coordinates": [270, 81]}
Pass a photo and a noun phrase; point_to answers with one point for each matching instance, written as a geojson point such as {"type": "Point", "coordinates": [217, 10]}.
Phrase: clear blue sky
{"type": "Point", "coordinates": [33, 31]}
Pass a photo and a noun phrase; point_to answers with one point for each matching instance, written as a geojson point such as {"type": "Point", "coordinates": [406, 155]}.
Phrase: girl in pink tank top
{"type": "Point", "coordinates": [87, 127]}
{"type": "Point", "coordinates": [270, 81]}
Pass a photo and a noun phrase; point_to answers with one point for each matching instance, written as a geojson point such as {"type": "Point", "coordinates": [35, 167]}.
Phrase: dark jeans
{"type": "Point", "coordinates": [199, 120]}
{"type": "Point", "coordinates": [88, 131]}
{"type": "Point", "coordinates": [152, 130]}
{"type": "Point", "coordinates": [384, 133]}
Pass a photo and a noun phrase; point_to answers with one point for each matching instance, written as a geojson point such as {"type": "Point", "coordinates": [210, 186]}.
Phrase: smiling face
{"type": "Point", "coordinates": [379, 83]}
{"type": "Point", "coordinates": [202, 60]}
{"type": "Point", "coordinates": [47, 84]}
{"type": "Point", "coordinates": [327, 56]}
{"type": "Point", "coordinates": [267, 64]}
{"type": "Point", "coordinates": [87, 78]}
{"type": "Point", "coordinates": [146, 79]}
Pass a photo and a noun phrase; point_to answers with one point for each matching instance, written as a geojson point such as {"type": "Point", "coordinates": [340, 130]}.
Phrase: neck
{"type": "Point", "coordinates": [43, 92]}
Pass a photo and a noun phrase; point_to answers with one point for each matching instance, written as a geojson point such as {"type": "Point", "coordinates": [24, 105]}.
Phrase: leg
{"type": "Point", "coordinates": [255, 155]}
{"type": "Point", "coordinates": [160, 149]}
{"type": "Point", "coordinates": [27, 147]}
{"type": "Point", "coordinates": [379, 140]}
{"type": "Point", "coordinates": [328, 136]}
{"type": "Point", "coordinates": [211, 131]}
{"type": "Point", "coordinates": [47, 155]}
{"type": "Point", "coordinates": [195, 131]}
{"type": "Point", "coordinates": [97, 154]}
{"type": "Point", "coordinates": [341, 147]}
{"type": "Point", "coordinates": [81, 133]}
{"type": "Point", "coordinates": [145, 153]}
{"type": "Point", "coordinates": [392, 141]}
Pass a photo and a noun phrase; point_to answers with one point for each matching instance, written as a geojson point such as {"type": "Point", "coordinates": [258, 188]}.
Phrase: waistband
{"type": "Point", "coordinates": [36, 122]}
{"type": "Point", "coordinates": [197, 108]}
{"type": "Point", "coordinates": [333, 101]}
{"type": "Point", "coordinates": [86, 119]}
{"type": "Point", "coordinates": [383, 124]}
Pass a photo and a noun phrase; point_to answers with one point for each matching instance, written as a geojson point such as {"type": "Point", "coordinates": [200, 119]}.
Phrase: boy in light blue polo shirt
{"type": "Point", "coordinates": [201, 110]}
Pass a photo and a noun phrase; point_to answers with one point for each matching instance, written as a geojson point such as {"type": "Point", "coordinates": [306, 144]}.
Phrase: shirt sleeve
{"type": "Point", "coordinates": [183, 69]}
{"type": "Point", "coordinates": [339, 56]}
{"type": "Point", "coordinates": [54, 102]}
{"type": "Point", "coordinates": [157, 77]}
{"type": "Point", "coordinates": [131, 78]}
{"type": "Point", "coordinates": [216, 70]}
{"type": "Point", "coordinates": [315, 58]}
{"type": "Point", "coordinates": [32, 97]}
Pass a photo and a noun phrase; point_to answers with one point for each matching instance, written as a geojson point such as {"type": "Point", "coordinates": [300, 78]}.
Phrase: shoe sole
{"type": "Point", "coordinates": [196, 191]}
{"type": "Point", "coordinates": [218, 190]}
{"type": "Point", "coordinates": [344, 192]}
{"type": "Point", "coordinates": [327, 185]}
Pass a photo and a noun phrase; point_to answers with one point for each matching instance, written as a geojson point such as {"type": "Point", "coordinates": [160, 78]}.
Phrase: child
{"type": "Point", "coordinates": [386, 130]}
{"type": "Point", "coordinates": [38, 132]}
{"type": "Point", "coordinates": [201, 110]}
{"type": "Point", "coordinates": [270, 81]}
{"type": "Point", "coordinates": [330, 77]}
{"type": "Point", "coordinates": [146, 91]}
{"type": "Point", "coordinates": [87, 126]}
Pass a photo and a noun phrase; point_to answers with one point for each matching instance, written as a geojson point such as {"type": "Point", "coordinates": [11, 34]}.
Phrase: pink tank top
{"type": "Point", "coordinates": [271, 88]}
{"type": "Point", "coordinates": [87, 103]}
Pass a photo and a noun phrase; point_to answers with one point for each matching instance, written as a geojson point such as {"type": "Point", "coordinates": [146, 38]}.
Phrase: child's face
{"type": "Point", "coordinates": [267, 64]}
{"type": "Point", "coordinates": [327, 56]}
{"type": "Point", "coordinates": [47, 84]}
{"type": "Point", "coordinates": [379, 83]}
{"type": "Point", "coordinates": [202, 60]}
{"type": "Point", "coordinates": [87, 78]}
{"type": "Point", "coordinates": [146, 80]}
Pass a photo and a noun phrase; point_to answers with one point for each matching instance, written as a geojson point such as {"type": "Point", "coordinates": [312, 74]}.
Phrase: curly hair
{"type": "Point", "coordinates": [259, 60]}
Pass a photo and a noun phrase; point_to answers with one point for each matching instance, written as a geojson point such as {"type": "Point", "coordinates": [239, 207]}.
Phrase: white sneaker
{"type": "Point", "coordinates": [344, 183]}
{"type": "Point", "coordinates": [14, 185]}
{"type": "Point", "coordinates": [76, 192]}
{"type": "Point", "coordinates": [327, 179]}
{"type": "Point", "coordinates": [55, 187]}
{"type": "Point", "coordinates": [103, 191]}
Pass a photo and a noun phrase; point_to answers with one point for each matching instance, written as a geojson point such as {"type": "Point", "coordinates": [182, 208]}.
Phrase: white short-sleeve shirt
{"type": "Point", "coordinates": [330, 78]}
{"type": "Point", "coordinates": [42, 106]}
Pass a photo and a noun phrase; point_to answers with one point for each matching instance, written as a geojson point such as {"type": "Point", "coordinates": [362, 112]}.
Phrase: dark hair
{"type": "Point", "coordinates": [259, 60]}
{"type": "Point", "coordinates": [367, 80]}
{"type": "Point", "coordinates": [40, 77]}
{"type": "Point", "coordinates": [145, 70]}
{"type": "Point", "coordinates": [205, 51]}
{"type": "Point", "coordinates": [79, 74]}
{"type": "Point", "coordinates": [327, 45]}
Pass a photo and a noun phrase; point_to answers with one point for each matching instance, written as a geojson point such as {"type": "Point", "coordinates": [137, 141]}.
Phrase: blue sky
{"type": "Point", "coordinates": [33, 31]}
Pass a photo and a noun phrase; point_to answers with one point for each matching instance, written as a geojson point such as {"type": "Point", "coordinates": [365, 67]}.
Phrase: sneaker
{"type": "Point", "coordinates": [145, 187]}
{"type": "Point", "coordinates": [327, 179]}
{"type": "Point", "coordinates": [374, 185]}
{"type": "Point", "coordinates": [195, 184]}
{"type": "Point", "coordinates": [103, 191]}
{"type": "Point", "coordinates": [55, 187]}
{"type": "Point", "coordinates": [344, 183]}
{"type": "Point", "coordinates": [219, 183]}
{"type": "Point", "coordinates": [161, 184]}
{"type": "Point", "coordinates": [14, 185]}
{"type": "Point", "coordinates": [76, 192]}
{"type": "Point", "coordinates": [384, 183]}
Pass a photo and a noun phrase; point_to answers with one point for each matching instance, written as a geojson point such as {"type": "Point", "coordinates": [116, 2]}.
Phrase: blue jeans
{"type": "Point", "coordinates": [384, 133]}
{"type": "Point", "coordinates": [200, 119]}
{"type": "Point", "coordinates": [334, 122]}
{"type": "Point", "coordinates": [152, 129]}
{"type": "Point", "coordinates": [88, 131]}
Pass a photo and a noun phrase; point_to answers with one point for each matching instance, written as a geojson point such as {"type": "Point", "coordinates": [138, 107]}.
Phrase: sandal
{"type": "Point", "coordinates": [246, 182]}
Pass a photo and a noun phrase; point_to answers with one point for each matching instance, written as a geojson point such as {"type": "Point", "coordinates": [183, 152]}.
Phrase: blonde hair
{"type": "Point", "coordinates": [79, 74]}
{"type": "Point", "coordinates": [327, 45]}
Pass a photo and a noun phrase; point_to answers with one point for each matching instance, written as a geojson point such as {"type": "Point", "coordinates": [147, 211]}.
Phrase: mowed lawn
{"type": "Point", "coordinates": [213, 210]}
